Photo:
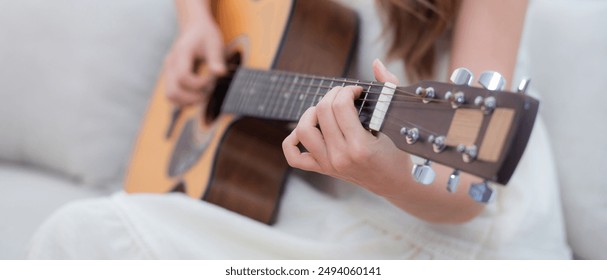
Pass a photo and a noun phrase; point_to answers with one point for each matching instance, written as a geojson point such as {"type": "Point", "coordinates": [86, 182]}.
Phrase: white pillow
{"type": "Point", "coordinates": [568, 57]}
{"type": "Point", "coordinates": [75, 78]}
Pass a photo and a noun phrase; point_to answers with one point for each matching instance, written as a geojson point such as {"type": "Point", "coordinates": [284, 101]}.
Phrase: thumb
{"type": "Point", "coordinates": [382, 74]}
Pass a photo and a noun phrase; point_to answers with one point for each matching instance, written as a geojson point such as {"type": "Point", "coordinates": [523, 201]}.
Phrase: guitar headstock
{"type": "Point", "coordinates": [481, 131]}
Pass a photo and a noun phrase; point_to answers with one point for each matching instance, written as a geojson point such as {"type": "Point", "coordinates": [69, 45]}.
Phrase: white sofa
{"type": "Point", "coordinates": [75, 77]}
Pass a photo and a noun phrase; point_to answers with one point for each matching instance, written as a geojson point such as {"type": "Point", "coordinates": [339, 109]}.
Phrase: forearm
{"type": "Point", "coordinates": [487, 36]}
{"type": "Point", "coordinates": [192, 12]}
{"type": "Point", "coordinates": [432, 203]}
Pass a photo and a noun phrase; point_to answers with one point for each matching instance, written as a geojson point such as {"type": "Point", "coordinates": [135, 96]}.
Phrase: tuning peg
{"type": "Point", "coordinates": [469, 153]}
{"type": "Point", "coordinates": [412, 135]}
{"type": "Point", "coordinates": [481, 192]}
{"type": "Point", "coordinates": [461, 76]}
{"type": "Point", "coordinates": [522, 87]}
{"type": "Point", "coordinates": [427, 94]}
{"type": "Point", "coordinates": [438, 143]}
{"type": "Point", "coordinates": [423, 173]}
{"type": "Point", "coordinates": [492, 80]}
{"type": "Point", "coordinates": [453, 181]}
{"type": "Point", "coordinates": [489, 104]}
{"type": "Point", "coordinates": [456, 99]}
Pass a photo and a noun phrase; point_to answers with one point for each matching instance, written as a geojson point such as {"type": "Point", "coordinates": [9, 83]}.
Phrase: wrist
{"type": "Point", "coordinates": [193, 14]}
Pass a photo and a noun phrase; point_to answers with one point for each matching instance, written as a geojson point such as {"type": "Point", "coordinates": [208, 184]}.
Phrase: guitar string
{"type": "Point", "coordinates": [397, 99]}
{"type": "Point", "coordinates": [416, 101]}
{"type": "Point", "coordinates": [353, 82]}
{"type": "Point", "coordinates": [371, 100]}
{"type": "Point", "coordinates": [429, 107]}
{"type": "Point", "coordinates": [357, 82]}
{"type": "Point", "coordinates": [265, 74]}
{"type": "Point", "coordinates": [396, 119]}
{"type": "Point", "coordinates": [340, 80]}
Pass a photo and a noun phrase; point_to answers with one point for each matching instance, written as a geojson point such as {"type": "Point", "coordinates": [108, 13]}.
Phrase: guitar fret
{"type": "Point", "coordinates": [274, 102]}
{"type": "Point", "coordinates": [295, 97]}
{"type": "Point", "coordinates": [362, 105]}
{"type": "Point", "coordinates": [276, 95]}
{"type": "Point", "coordinates": [296, 92]}
{"type": "Point", "coordinates": [288, 94]}
{"type": "Point", "coordinates": [233, 101]}
{"type": "Point", "coordinates": [246, 95]}
{"type": "Point", "coordinates": [330, 87]}
{"type": "Point", "coordinates": [304, 98]}
{"type": "Point", "coordinates": [274, 84]}
{"type": "Point", "coordinates": [282, 95]}
{"type": "Point", "coordinates": [267, 90]}
{"type": "Point", "coordinates": [261, 108]}
{"type": "Point", "coordinates": [308, 92]}
{"type": "Point", "coordinates": [250, 81]}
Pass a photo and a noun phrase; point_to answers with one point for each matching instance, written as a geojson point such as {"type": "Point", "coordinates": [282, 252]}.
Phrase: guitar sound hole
{"type": "Point", "coordinates": [221, 88]}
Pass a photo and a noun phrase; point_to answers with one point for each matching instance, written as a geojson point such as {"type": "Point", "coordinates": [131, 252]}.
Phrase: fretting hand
{"type": "Point", "coordinates": [337, 145]}
{"type": "Point", "coordinates": [341, 147]}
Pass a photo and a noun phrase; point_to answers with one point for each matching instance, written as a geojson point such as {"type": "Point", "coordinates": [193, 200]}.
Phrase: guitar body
{"type": "Point", "coordinates": [235, 162]}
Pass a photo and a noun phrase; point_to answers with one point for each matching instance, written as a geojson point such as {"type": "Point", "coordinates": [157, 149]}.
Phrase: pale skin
{"type": "Point", "coordinates": [486, 37]}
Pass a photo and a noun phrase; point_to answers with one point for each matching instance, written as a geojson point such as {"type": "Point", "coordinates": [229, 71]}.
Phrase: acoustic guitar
{"type": "Point", "coordinates": [285, 55]}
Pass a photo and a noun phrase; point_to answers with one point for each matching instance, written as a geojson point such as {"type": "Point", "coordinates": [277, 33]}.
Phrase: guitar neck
{"type": "Point", "coordinates": [285, 96]}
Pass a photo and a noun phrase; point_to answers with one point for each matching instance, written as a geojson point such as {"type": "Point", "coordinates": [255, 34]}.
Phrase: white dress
{"type": "Point", "coordinates": [328, 219]}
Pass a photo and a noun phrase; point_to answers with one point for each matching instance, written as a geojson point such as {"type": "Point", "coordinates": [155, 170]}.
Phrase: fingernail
{"type": "Point", "coordinates": [381, 65]}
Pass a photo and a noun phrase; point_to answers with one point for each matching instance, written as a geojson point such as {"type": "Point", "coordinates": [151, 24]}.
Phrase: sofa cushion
{"type": "Point", "coordinates": [27, 197]}
{"type": "Point", "coordinates": [76, 77]}
{"type": "Point", "coordinates": [568, 56]}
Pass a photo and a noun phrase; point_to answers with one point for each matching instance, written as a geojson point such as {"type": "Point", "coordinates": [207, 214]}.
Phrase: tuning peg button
{"type": "Point", "coordinates": [461, 76]}
{"type": "Point", "coordinates": [439, 144]}
{"type": "Point", "coordinates": [469, 153]}
{"type": "Point", "coordinates": [489, 104]}
{"type": "Point", "coordinates": [492, 80]}
{"type": "Point", "coordinates": [522, 87]}
{"type": "Point", "coordinates": [481, 192]}
{"type": "Point", "coordinates": [427, 94]}
{"type": "Point", "coordinates": [453, 181]}
{"type": "Point", "coordinates": [456, 99]}
{"type": "Point", "coordinates": [412, 135]}
{"type": "Point", "coordinates": [423, 173]}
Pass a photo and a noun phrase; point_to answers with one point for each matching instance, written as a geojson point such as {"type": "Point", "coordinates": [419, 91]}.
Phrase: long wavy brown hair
{"type": "Point", "coordinates": [415, 26]}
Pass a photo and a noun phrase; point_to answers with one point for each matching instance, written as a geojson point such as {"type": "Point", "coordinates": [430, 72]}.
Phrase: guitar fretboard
{"type": "Point", "coordinates": [286, 96]}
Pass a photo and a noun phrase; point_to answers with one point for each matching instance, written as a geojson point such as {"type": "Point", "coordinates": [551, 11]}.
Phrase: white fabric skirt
{"type": "Point", "coordinates": [335, 221]}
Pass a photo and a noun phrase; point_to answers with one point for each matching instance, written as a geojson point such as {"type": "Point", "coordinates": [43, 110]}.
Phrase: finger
{"type": "Point", "coordinates": [194, 83]}
{"type": "Point", "coordinates": [347, 115]}
{"type": "Point", "coordinates": [382, 74]}
{"type": "Point", "coordinates": [187, 79]}
{"type": "Point", "coordinates": [215, 59]}
{"type": "Point", "coordinates": [177, 94]}
{"type": "Point", "coordinates": [295, 157]}
{"type": "Point", "coordinates": [181, 97]}
{"type": "Point", "coordinates": [326, 119]}
{"type": "Point", "coordinates": [183, 86]}
{"type": "Point", "coordinates": [311, 137]}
